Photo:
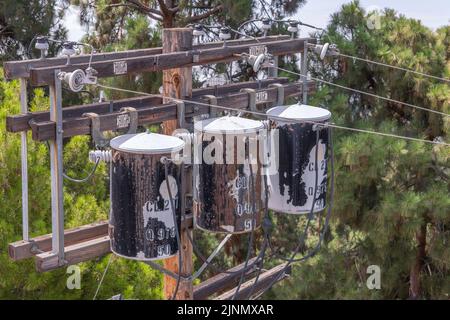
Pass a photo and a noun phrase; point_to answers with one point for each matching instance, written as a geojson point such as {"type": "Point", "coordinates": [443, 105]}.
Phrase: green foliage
{"type": "Point", "coordinates": [83, 204]}
{"type": "Point", "coordinates": [391, 196]}
{"type": "Point", "coordinates": [40, 18]}
{"type": "Point", "coordinates": [389, 193]}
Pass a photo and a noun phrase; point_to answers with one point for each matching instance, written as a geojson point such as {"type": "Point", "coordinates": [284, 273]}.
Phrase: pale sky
{"type": "Point", "coordinates": [432, 13]}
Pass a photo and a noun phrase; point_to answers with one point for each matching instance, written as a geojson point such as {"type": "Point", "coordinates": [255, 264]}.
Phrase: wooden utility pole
{"type": "Point", "coordinates": [177, 83]}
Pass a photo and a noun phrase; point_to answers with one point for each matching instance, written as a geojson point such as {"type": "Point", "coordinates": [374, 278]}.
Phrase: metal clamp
{"type": "Point", "coordinates": [180, 113]}
{"type": "Point", "coordinates": [212, 100]}
{"type": "Point", "coordinates": [132, 120]}
{"type": "Point", "coordinates": [195, 56]}
{"type": "Point", "coordinates": [251, 98]}
{"type": "Point", "coordinates": [280, 93]}
{"type": "Point", "coordinates": [97, 135]}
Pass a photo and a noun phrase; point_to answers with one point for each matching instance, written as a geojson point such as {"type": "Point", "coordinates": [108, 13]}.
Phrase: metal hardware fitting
{"type": "Point", "coordinates": [132, 118]}
{"type": "Point", "coordinates": [212, 100]}
{"type": "Point", "coordinates": [180, 113]}
{"type": "Point", "coordinates": [128, 117]}
{"type": "Point", "coordinates": [251, 98]}
{"type": "Point", "coordinates": [195, 56]}
{"type": "Point", "coordinates": [280, 93]}
{"type": "Point", "coordinates": [97, 135]}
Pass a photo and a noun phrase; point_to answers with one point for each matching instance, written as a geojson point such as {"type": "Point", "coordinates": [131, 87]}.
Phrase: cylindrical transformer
{"type": "Point", "coordinates": [227, 174]}
{"type": "Point", "coordinates": [292, 177]}
{"type": "Point", "coordinates": [141, 225]}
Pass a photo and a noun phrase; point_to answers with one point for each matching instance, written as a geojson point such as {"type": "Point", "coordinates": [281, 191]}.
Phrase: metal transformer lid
{"type": "Point", "coordinates": [300, 112]}
{"type": "Point", "coordinates": [147, 143]}
{"type": "Point", "coordinates": [228, 125]}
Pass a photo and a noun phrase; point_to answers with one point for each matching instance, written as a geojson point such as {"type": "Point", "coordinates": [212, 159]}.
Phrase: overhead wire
{"type": "Point", "coordinates": [90, 174]}
{"type": "Point", "coordinates": [326, 224]}
{"type": "Point", "coordinates": [103, 276]}
{"type": "Point", "coordinates": [177, 231]}
{"type": "Point", "coordinates": [394, 67]}
{"type": "Point", "coordinates": [292, 259]}
{"type": "Point", "coordinates": [363, 92]}
{"type": "Point", "coordinates": [266, 229]}
{"type": "Point", "coordinates": [259, 113]}
{"type": "Point", "coordinates": [250, 242]}
{"type": "Point", "coordinates": [330, 125]}
{"type": "Point", "coordinates": [303, 236]}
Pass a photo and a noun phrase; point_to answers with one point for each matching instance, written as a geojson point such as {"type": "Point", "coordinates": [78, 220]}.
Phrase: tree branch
{"type": "Point", "coordinates": [165, 10]}
{"type": "Point", "coordinates": [146, 9]}
{"type": "Point", "coordinates": [215, 10]}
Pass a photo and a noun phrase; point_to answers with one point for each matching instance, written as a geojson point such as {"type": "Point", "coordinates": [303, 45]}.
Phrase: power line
{"type": "Point", "coordinates": [365, 93]}
{"type": "Point", "coordinates": [177, 232]}
{"type": "Point", "coordinates": [327, 217]}
{"type": "Point", "coordinates": [330, 125]}
{"type": "Point", "coordinates": [103, 276]}
{"type": "Point", "coordinates": [314, 251]}
{"type": "Point", "coordinates": [395, 67]}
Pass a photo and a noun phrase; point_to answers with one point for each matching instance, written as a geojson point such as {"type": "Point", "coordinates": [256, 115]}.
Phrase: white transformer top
{"type": "Point", "coordinates": [300, 112]}
{"type": "Point", "coordinates": [147, 143]}
{"type": "Point", "coordinates": [228, 125]}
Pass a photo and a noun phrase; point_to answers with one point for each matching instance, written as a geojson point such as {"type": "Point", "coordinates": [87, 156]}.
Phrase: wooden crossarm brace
{"type": "Point", "coordinates": [21, 122]}
{"type": "Point", "coordinates": [265, 279]}
{"type": "Point", "coordinates": [165, 61]}
{"type": "Point", "coordinates": [154, 115]}
{"type": "Point", "coordinates": [21, 68]}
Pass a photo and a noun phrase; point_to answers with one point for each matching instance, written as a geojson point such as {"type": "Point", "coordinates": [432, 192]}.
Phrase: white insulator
{"type": "Point", "coordinates": [75, 80]}
{"type": "Point", "coordinates": [293, 27]}
{"type": "Point", "coordinates": [198, 30]}
{"type": "Point", "coordinates": [256, 61]}
{"type": "Point", "coordinates": [266, 25]}
{"type": "Point", "coordinates": [103, 155]}
{"type": "Point", "coordinates": [41, 43]}
{"type": "Point", "coordinates": [224, 34]}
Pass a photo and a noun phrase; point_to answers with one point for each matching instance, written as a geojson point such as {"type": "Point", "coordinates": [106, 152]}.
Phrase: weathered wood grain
{"type": "Point", "coordinates": [26, 249]}
{"type": "Point", "coordinates": [265, 279]}
{"type": "Point", "coordinates": [158, 62]}
{"type": "Point", "coordinates": [177, 83]}
{"type": "Point", "coordinates": [45, 130]}
{"type": "Point", "coordinates": [74, 254]}
{"type": "Point", "coordinates": [21, 69]}
{"type": "Point", "coordinates": [221, 281]}
{"type": "Point", "coordinates": [21, 122]}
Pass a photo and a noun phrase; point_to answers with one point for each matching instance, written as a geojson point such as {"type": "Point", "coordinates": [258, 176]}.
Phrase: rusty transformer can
{"type": "Point", "coordinates": [227, 175]}
{"type": "Point", "coordinates": [291, 188]}
{"type": "Point", "coordinates": [141, 219]}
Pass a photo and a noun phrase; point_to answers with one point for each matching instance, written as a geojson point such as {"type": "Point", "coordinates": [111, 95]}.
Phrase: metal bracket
{"type": "Point", "coordinates": [195, 56]}
{"type": "Point", "coordinates": [280, 93]}
{"type": "Point", "coordinates": [132, 120]}
{"type": "Point", "coordinates": [251, 98]}
{"type": "Point", "coordinates": [180, 113]}
{"type": "Point", "coordinates": [304, 72]}
{"type": "Point", "coordinates": [34, 247]}
{"type": "Point", "coordinates": [212, 100]}
{"type": "Point", "coordinates": [97, 135]}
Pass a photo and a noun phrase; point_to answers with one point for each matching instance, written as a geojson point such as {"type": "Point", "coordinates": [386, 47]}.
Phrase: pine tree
{"type": "Point", "coordinates": [392, 199]}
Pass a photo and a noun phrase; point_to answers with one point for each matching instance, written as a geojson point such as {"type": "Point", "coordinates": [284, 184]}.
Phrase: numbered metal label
{"type": "Point", "coordinates": [216, 81]}
{"type": "Point", "coordinates": [123, 121]}
{"type": "Point", "coordinates": [261, 96]}
{"type": "Point", "coordinates": [257, 50]}
{"type": "Point", "coordinates": [120, 67]}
